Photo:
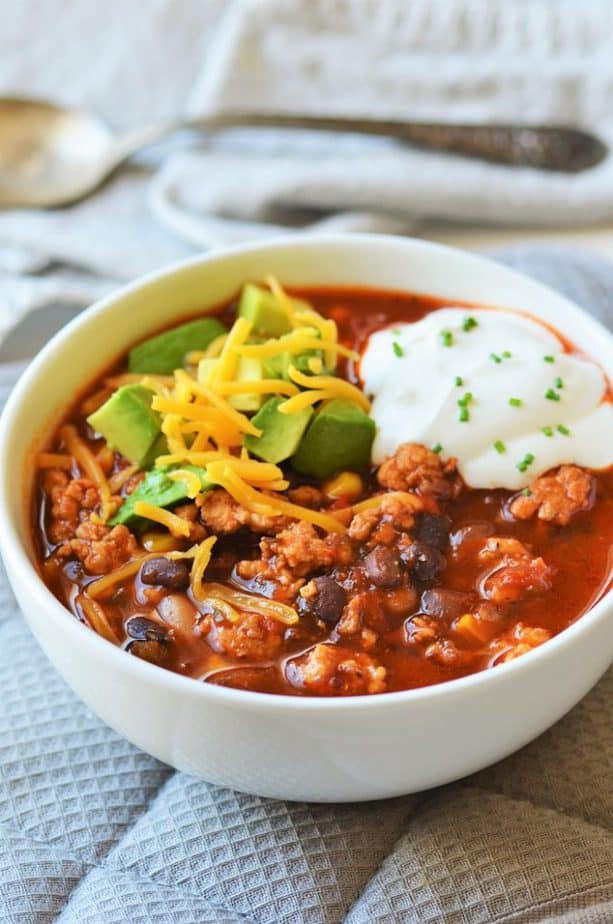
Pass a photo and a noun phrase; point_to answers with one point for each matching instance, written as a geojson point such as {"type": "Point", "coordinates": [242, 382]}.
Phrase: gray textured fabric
{"type": "Point", "coordinates": [92, 830]}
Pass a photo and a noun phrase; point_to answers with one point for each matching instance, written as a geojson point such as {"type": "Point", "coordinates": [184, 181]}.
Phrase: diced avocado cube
{"type": "Point", "coordinates": [158, 489]}
{"type": "Point", "coordinates": [162, 354]}
{"type": "Point", "coordinates": [262, 308]}
{"type": "Point", "coordinates": [281, 433]}
{"type": "Point", "coordinates": [205, 367]}
{"type": "Point", "coordinates": [159, 448]}
{"type": "Point", "coordinates": [340, 437]}
{"type": "Point", "coordinates": [128, 423]}
{"type": "Point", "coordinates": [248, 370]}
{"type": "Point", "coordinates": [275, 367]}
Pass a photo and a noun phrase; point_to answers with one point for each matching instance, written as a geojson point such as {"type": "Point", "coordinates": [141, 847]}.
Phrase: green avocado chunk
{"type": "Point", "coordinates": [281, 433]}
{"type": "Point", "coordinates": [275, 367]}
{"type": "Point", "coordinates": [158, 489]}
{"type": "Point", "coordinates": [162, 354]}
{"type": "Point", "coordinates": [129, 425]}
{"type": "Point", "coordinates": [248, 370]}
{"type": "Point", "coordinates": [340, 437]}
{"type": "Point", "coordinates": [262, 308]}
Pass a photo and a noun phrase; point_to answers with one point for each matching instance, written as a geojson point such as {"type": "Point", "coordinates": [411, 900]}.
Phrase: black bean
{"type": "Point", "coordinates": [425, 562]}
{"type": "Point", "coordinates": [445, 603]}
{"type": "Point", "coordinates": [154, 652]}
{"type": "Point", "coordinates": [382, 567]}
{"type": "Point", "coordinates": [327, 604]}
{"type": "Point", "coordinates": [433, 530]}
{"type": "Point", "coordinates": [145, 630]}
{"type": "Point", "coordinates": [166, 572]}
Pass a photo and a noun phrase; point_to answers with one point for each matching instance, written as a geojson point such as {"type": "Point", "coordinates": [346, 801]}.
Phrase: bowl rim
{"type": "Point", "coordinates": [16, 557]}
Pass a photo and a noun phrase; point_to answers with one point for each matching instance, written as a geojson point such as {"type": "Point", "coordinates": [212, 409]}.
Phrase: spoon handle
{"type": "Point", "coordinates": [544, 147]}
{"type": "Point", "coordinates": [569, 150]}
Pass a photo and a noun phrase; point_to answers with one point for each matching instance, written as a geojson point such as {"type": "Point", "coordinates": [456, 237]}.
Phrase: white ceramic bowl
{"type": "Point", "coordinates": [286, 747]}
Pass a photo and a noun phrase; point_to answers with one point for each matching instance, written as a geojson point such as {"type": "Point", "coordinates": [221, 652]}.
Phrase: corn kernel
{"type": "Point", "coordinates": [474, 629]}
{"type": "Point", "coordinates": [345, 484]}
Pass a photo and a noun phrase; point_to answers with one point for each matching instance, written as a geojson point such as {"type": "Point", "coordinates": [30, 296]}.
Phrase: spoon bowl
{"type": "Point", "coordinates": [49, 155]}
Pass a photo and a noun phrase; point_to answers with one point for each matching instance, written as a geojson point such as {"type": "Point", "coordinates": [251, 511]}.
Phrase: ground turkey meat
{"type": "Point", "coordinates": [306, 495]}
{"type": "Point", "coordinates": [556, 497]}
{"type": "Point", "coordinates": [99, 548]}
{"type": "Point", "coordinates": [222, 514]}
{"type": "Point", "coordinates": [414, 467]}
{"type": "Point", "coordinates": [329, 670]}
{"type": "Point", "coordinates": [295, 553]}
{"type": "Point", "coordinates": [515, 571]}
{"type": "Point", "coordinates": [363, 617]}
{"type": "Point", "coordinates": [521, 640]}
{"type": "Point", "coordinates": [383, 524]}
{"type": "Point", "coordinates": [254, 638]}
{"type": "Point", "coordinates": [189, 513]}
{"type": "Point", "coordinates": [72, 500]}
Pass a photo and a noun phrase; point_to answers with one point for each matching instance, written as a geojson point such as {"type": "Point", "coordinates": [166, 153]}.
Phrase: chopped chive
{"type": "Point", "coordinates": [464, 415]}
{"type": "Point", "coordinates": [526, 462]}
{"type": "Point", "coordinates": [526, 492]}
{"type": "Point", "coordinates": [500, 447]}
{"type": "Point", "coordinates": [459, 381]}
{"type": "Point", "coordinates": [465, 400]}
{"type": "Point", "coordinates": [397, 349]}
{"type": "Point", "coordinates": [548, 431]}
{"type": "Point", "coordinates": [506, 354]}
{"type": "Point", "coordinates": [552, 395]}
{"type": "Point", "coordinates": [495, 357]}
{"type": "Point", "coordinates": [563, 430]}
{"type": "Point", "coordinates": [469, 324]}
{"type": "Point", "coordinates": [446, 338]}
{"type": "Point", "coordinates": [438, 448]}
{"type": "Point", "coordinates": [549, 359]}
{"type": "Point", "coordinates": [515, 402]}
{"type": "Point", "coordinates": [559, 383]}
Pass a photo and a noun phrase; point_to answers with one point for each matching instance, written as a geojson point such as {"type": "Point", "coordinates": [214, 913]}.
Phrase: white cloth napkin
{"type": "Point", "coordinates": [544, 60]}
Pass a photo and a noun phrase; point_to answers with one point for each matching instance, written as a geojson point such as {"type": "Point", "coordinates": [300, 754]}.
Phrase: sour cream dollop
{"type": "Point", "coordinates": [492, 388]}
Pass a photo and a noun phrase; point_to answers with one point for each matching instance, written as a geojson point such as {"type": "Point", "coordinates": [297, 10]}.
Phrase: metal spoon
{"type": "Point", "coordinates": [52, 156]}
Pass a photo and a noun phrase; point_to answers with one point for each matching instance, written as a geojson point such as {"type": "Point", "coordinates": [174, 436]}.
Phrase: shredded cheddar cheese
{"type": "Point", "coordinates": [90, 466]}
{"type": "Point", "coordinates": [101, 586]}
{"type": "Point", "coordinates": [250, 602]}
{"type": "Point", "coordinates": [203, 413]}
{"type": "Point", "coordinates": [371, 503]}
{"type": "Point", "coordinates": [189, 479]}
{"type": "Point", "coordinates": [203, 391]}
{"type": "Point", "coordinates": [199, 566]}
{"type": "Point", "coordinates": [177, 526]}
{"type": "Point", "coordinates": [228, 358]}
{"type": "Point", "coordinates": [258, 387]}
{"type": "Point", "coordinates": [117, 481]}
{"type": "Point", "coordinates": [340, 388]}
{"type": "Point", "coordinates": [171, 428]}
{"type": "Point", "coordinates": [93, 402]}
{"type": "Point", "coordinates": [97, 618]}
{"type": "Point", "coordinates": [221, 473]}
{"type": "Point", "coordinates": [283, 299]}
{"type": "Point", "coordinates": [136, 378]}
{"type": "Point", "coordinates": [212, 351]}
{"type": "Point", "coordinates": [54, 460]}
{"type": "Point", "coordinates": [305, 399]}
{"type": "Point", "coordinates": [298, 341]}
